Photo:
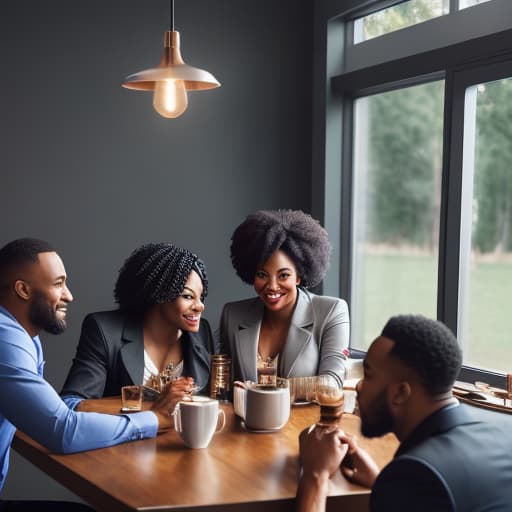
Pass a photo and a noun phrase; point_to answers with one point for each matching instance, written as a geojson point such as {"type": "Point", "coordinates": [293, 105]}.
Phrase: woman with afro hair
{"type": "Point", "coordinates": [282, 253]}
{"type": "Point", "coordinates": [158, 326]}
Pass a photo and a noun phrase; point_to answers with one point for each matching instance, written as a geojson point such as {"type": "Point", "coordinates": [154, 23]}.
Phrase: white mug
{"type": "Point", "coordinates": [262, 408]}
{"type": "Point", "coordinates": [197, 420]}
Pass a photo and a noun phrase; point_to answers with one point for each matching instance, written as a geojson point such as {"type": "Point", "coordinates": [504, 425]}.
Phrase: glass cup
{"type": "Point", "coordinates": [220, 382]}
{"type": "Point", "coordinates": [267, 373]}
{"type": "Point", "coordinates": [302, 389]}
{"type": "Point", "coordinates": [131, 398]}
{"type": "Point", "coordinates": [329, 395]}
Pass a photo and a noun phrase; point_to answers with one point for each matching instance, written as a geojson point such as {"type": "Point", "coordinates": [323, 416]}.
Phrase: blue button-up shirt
{"type": "Point", "coordinates": [30, 403]}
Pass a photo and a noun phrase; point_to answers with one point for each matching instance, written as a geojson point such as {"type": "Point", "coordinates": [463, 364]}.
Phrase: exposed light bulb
{"type": "Point", "coordinates": [170, 98]}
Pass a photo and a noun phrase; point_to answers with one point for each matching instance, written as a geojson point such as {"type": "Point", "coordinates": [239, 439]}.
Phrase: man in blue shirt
{"type": "Point", "coordinates": [34, 297]}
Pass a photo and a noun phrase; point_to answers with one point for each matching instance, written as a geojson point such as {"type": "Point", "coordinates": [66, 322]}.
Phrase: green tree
{"type": "Point", "coordinates": [405, 165]}
{"type": "Point", "coordinates": [405, 144]}
{"type": "Point", "coordinates": [405, 148]}
{"type": "Point", "coordinates": [401, 16]}
{"type": "Point", "coordinates": [493, 168]}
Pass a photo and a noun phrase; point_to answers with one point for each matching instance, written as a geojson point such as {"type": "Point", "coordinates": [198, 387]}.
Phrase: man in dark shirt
{"type": "Point", "coordinates": [450, 459]}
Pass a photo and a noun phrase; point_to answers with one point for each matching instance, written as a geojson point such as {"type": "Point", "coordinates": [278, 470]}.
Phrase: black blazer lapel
{"type": "Point", "coordinates": [132, 348]}
{"type": "Point", "coordinates": [246, 340]}
{"type": "Point", "coordinates": [197, 347]}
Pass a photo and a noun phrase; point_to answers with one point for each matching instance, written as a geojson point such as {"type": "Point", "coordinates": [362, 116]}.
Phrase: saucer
{"type": "Point", "coordinates": [258, 431]}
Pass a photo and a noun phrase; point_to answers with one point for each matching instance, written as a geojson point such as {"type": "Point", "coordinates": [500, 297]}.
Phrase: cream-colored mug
{"type": "Point", "coordinates": [262, 408]}
{"type": "Point", "coordinates": [197, 420]}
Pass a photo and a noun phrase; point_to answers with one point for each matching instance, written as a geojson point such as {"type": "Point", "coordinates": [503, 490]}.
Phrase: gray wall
{"type": "Point", "coordinates": [92, 168]}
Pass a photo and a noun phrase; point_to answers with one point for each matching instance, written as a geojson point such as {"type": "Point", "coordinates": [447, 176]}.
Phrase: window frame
{"type": "Point", "coordinates": [462, 63]}
{"type": "Point", "coordinates": [495, 68]}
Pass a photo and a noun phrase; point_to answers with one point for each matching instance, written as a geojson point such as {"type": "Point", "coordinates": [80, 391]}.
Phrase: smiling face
{"type": "Point", "coordinates": [185, 311]}
{"type": "Point", "coordinates": [47, 293]}
{"type": "Point", "coordinates": [276, 282]}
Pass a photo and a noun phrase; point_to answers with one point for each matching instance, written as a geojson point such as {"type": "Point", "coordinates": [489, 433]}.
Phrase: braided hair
{"type": "Point", "coordinates": [156, 273]}
{"type": "Point", "coordinates": [294, 232]}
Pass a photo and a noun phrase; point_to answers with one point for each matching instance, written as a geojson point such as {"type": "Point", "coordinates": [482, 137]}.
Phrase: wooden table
{"type": "Point", "coordinates": [238, 471]}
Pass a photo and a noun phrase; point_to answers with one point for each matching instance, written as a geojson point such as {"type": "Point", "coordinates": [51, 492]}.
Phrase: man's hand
{"type": "Point", "coordinates": [358, 466]}
{"type": "Point", "coordinates": [164, 405]}
{"type": "Point", "coordinates": [321, 452]}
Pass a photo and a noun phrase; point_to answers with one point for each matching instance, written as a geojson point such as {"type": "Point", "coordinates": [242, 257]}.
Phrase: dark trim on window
{"type": "Point", "coordinates": [376, 6]}
{"type": "Point", "coordinates": [346, 202]}
{"type": "Point", "coordinates": [469, 374]}
{"type": "Point", "coordinates": [481, 59]}
{"type": "Point", "coordinates": [454, 56]}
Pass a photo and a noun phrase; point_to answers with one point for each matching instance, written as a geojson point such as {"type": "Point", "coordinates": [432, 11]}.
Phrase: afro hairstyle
{"type": "Point", "coordinates": [294, 232]}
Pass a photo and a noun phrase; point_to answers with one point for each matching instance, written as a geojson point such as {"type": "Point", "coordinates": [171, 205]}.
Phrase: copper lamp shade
{"type": "Point", "coordinates": [171, 67]}
{"type": "Point", "coordinates": [172, 78]}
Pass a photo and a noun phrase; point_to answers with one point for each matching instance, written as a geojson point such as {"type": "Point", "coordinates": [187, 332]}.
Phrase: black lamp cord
{"type": "Point", "coordinates": [172, 14]}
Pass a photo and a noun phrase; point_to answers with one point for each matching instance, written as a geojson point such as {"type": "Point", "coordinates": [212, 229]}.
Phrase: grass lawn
{"type": "Point", "coordinates": [405, 283]}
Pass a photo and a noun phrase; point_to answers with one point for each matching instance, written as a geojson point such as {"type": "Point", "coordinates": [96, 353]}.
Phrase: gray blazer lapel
{"type": "Point", "coordinates": [299, 334]}
{"type": "Point", "coordinates": [246, 341]}
{"type": "Point", "coordinates": [132, 349]}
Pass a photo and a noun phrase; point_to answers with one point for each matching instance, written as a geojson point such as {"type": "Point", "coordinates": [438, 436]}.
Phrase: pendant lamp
{"type": "Point", "coordinates": [172, 78]}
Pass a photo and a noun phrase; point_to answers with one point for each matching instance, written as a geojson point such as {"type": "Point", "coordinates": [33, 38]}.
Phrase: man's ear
{"type": "Point", "coordinates": [400, 393]}
{"type": "Point", "coordinates": [22, 290]}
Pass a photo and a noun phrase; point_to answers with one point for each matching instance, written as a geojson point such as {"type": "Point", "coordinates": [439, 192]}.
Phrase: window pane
{"type": "Point", "coordinates": [469, 3]}
{"type": "Point", "coordinates": [397, 17]}
{"type": "Point", "coordinates": [397, 183]}
{"type": "Point", "coordinates": [486, 268]}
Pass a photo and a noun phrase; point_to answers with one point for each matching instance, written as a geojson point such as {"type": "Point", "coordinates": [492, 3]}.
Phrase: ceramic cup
{"type": "Point", "coordinates": [197, 420]}
{"type": "Point", "coordinates": [266, 409]}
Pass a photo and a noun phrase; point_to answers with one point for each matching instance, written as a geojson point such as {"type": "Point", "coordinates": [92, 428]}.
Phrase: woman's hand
{"type": "Point", "coordinates": [171, 394]}
{"type": "Point", "coordinates": [358, 466]}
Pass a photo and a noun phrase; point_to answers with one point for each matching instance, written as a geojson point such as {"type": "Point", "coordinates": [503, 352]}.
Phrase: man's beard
{"type": "Point", "coordinates": [379, 421]}
{"type": "Point", "coordinates": [45, 317]}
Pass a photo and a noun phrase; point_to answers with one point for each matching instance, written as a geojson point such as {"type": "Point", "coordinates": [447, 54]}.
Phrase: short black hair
{"type": "Point", "coordinates": [428, 347]}
{"type": "Point", "coordinates": [156, 273]}
{"type": "Point", "coordinates": [294, 232]}
{"type": "Point", "coordinates": [20, 252]}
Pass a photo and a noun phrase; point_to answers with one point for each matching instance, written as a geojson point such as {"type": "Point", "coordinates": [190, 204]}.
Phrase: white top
{"type": "Point", "coordinates": [150, 370]}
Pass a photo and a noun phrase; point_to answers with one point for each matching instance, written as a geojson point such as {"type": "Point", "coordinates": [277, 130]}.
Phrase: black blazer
{"type": "Point", "coordinates": [457, 460]}
{"type": "Point", "coordinates": [110, 354]}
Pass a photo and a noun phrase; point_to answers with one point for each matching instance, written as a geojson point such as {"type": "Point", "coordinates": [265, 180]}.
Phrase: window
{"type": "Point", "coordinates": [398, 16]}
{"type": "Point", "coordinates": [425, 206]}
{"type": "Point", "coordinates": [397, 194]}
{"type": "Point", "coordinates": [486, 260]}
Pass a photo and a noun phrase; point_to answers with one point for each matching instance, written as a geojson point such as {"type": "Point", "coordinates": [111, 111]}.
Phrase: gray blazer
{"type": "Point", "coordinates": [319, 332]}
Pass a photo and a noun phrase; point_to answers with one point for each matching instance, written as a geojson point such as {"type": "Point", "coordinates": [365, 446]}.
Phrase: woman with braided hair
{"type": "Point", "coordinates": [158, 326]}
{"type": "Point", "coordinates": [282, 253]}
